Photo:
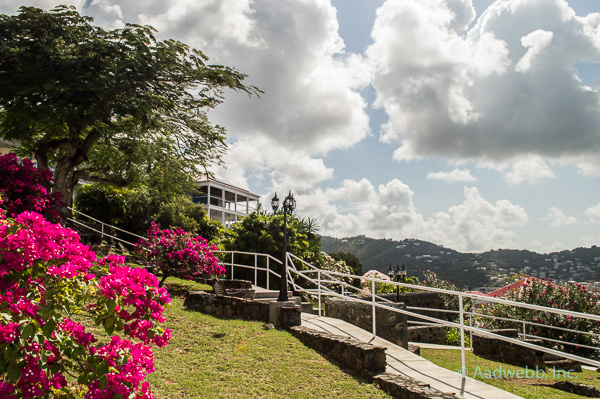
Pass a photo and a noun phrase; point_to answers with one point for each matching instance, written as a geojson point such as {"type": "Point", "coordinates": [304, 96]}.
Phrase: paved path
{"type": "Point", "coordinates": [401, 361]}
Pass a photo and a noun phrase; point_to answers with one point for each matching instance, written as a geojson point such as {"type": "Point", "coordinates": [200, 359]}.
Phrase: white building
{"type": "Point", "coordinates": [224, 202]}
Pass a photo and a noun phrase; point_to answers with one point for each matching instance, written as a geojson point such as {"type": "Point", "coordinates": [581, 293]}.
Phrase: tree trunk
{"type": "Point", "coordinates": [76, 153]}
{"type": "Point", "coordinates": [63, 178]}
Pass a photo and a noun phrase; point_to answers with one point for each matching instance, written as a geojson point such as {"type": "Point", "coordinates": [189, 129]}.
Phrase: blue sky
{"type": "Point", "coordinates": [470, 123]}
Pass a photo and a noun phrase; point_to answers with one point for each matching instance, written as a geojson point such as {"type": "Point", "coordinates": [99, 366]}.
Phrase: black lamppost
{"type": "Point", "coordinates": [289, 204]}
{"type": "Point", "coordinates": [395, 276]}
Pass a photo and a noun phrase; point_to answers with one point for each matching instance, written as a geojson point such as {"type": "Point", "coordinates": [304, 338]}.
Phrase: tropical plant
{"type": "Point", "coordinates": [177, 253]}
{"type": "Point", "coordinates": [46, 287]}
{"type": "Point", "coordinates": [24, 188]}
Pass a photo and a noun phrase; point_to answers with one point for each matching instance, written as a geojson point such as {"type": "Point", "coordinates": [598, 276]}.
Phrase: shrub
{"type": "Point", "coordinates": [177, 253]}
{"type": "Point", "coordinates": [25, 188]}
{"type": "Point", "coordinates": [102, 202]}
{"type": "Point", "coordinates": [45, 287]}
{"type": "Point", "coordinates": [452, 337]}
{"type": "Point", "coordinates": [572, 296]}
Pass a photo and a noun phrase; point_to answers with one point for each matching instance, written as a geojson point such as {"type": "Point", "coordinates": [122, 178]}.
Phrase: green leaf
{"type": "Point", "coordinates": [48, 328]}
{"type": "Point", "coordinates": [13, 373]}
{"type": "Point", "coordinates": [101, 369]}
{"type": "Point", "coordinates": [103, 381]}
{"type": "Point", "coordinates": [111, 305]}
{"type": "Point", "coordinates": [27, 331]}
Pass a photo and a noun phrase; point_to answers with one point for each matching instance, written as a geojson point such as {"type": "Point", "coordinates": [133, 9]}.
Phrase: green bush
{"type": "Point", "coordinates": [452, 337]}
{"type": "Point", "coordinates": [133, 210]}
{"type": "Point", "coordinates": [102, 202]}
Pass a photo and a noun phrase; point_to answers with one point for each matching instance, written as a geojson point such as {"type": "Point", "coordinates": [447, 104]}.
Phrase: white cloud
{"type": "Point", "coordinates": [454, 176]}
{"type": "Point", "coordinates": [593, 213]}
{"type": "Point", "coordinates": [529, 169]}
{"type": "Point", "coordinates": [557, 218]}
{"type": "Point", "coordinates": [357, 207]}
{"type": "Point", "coordinates": [506, 89]}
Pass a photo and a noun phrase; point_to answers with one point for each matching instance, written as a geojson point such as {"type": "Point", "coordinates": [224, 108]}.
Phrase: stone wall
{"type": "Point", "coordinates": [356, 355]}
{"type": "Point", "coordinates": [427, 334]}
{"type": "Point", "coordinates": [389, 325]}
{"type": "Point", "coordinates": [430, 300]}
{"type": "Point", "coordinates": [400, 386]}
{"type": "Point", "coordinates": [507, 352]}
{"type": "Point", "coordinates": [227, 306]}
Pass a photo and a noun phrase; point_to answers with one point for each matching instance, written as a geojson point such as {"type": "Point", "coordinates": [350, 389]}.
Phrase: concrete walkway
{"type": "Point", "coordinates": [401, 361]}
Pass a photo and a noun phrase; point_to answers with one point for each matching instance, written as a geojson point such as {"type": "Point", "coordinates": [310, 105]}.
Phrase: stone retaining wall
{"type": "Point", "coordinates": [389, 325]}
{"type": "Point", "coordinates": [427, 334]}
{"type": "Point", "coordinates": [507, 352]}
{"type": "Point", "coordinates": [227, 306]}
{"type": "Point", "coordinates": [430, 300]}
{"type": "Point", "coordinates": [400, 386]}
{"type": "Point", "coordinates": [354, 354]}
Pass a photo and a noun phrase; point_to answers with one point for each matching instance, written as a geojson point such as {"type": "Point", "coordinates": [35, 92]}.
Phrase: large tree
{"type": "Point", "coordinates": [107, 105]}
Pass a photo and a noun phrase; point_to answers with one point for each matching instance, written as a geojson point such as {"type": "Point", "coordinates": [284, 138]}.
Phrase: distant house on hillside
{"type": "Point", "coordinates": [225, 202]}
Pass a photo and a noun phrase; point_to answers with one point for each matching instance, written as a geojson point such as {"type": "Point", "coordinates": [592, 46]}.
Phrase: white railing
{"type": "Point", "coordinates": [103, 228]}
{"type": "Point", "coordinates": [306, 278]}
{"type": "Point", "coordinates": [229, 260]}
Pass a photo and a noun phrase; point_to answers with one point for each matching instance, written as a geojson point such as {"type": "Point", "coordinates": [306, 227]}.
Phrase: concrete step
{"type": "Point", "coordinates": [269, 294]}
{"type": "Point", "coordinates": [307, 307]}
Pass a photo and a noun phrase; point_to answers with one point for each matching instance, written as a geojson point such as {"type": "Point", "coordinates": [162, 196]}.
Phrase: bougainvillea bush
{"type": "Point", "coordinates": [46, 290]}
{"type": "Point", "coordinates": [25, 188]}
{"type": "Point", "coordinates": [177, 253]}
{"type": "Point", "coordinates": [572, 296]}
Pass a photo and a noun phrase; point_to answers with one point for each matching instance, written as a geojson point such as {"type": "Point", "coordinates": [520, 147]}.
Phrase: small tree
{"type": "Point", "coordinates": [177, 253]}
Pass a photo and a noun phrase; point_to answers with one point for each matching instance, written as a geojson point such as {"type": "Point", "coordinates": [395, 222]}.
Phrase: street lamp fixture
{"type": "Point", "coordinates": [395, 275]}
{"type": "Point", "coordinates": [289, 205]}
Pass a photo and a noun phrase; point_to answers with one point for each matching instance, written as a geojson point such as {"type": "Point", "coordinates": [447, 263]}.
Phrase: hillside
{"type": "Point", "coordinates": [468, 269]}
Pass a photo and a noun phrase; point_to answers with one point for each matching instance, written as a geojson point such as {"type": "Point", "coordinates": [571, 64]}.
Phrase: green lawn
{"type": "Point", "coordinates": [525, 386]}
{"type": "Point", "coordinates": [209, 357]}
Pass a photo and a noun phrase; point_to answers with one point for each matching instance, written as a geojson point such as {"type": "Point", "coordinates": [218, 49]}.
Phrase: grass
{"type": "Point", "coordinates": [529, 388]}
{"type": "Point", "coordinates": [209, 357]}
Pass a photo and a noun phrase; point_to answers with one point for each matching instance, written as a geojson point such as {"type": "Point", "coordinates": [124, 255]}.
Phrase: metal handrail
{"type": "Point", "coordinates": [105, 224]}
{"type": "Point", "coordinates": [101, 232]}
{"type": "Point", "coordinates": [256, 267]}
{"type": "Point", "coordinates": [326, 276]}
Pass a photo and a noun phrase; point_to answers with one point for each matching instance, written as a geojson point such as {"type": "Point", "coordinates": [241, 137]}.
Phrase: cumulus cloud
{"type": "Point", "coordinates": [505, 88]}
{"type": "Point", "coordinates": [557, 218]}
{"type": "Point", "coordinates": [454, 176]}
{"type": "Point", "coordinates": [529, 169]}
{"type": "Point", "coordinates": [291, 50]}
{"type": "Point", "coordinates": [593, 213]}
{"type": "Point", "coordinates": [358, 207]}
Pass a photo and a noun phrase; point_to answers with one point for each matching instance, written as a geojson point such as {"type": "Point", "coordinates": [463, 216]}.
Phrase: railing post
{"type": "Point", "coordinates": [268, 271]}
{"type": "Point", "coordinates": [373, 306]}
{"type": "Point", "coordinates": [462, 336]}
{"type": "Point", "coordinates": [255, 269]}
{"type": "Point", "coordinates": [232, 265]}
{"type": "Point", "coordinates": [524, 337]}
{"type": "Point", "coordinates": [102, 235]}
{"type": "Point", "coordinates": [319, 288]}
{"type": "Point", "coordinates": [343, 285]}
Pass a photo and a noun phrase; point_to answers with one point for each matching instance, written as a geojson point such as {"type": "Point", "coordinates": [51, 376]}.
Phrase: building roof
{"type": "Point", "coordinates": [512, 287]}
{"type": "Point", "coordinates": [208, 179]}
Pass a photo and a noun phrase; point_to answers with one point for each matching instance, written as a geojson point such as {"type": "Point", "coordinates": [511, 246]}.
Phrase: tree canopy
{"type": "Point", "coordinates": [107, 105]}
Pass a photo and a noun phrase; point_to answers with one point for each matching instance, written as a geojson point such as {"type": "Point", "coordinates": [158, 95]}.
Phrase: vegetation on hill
{"type": "Point", "coordinates": [470, 270]}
